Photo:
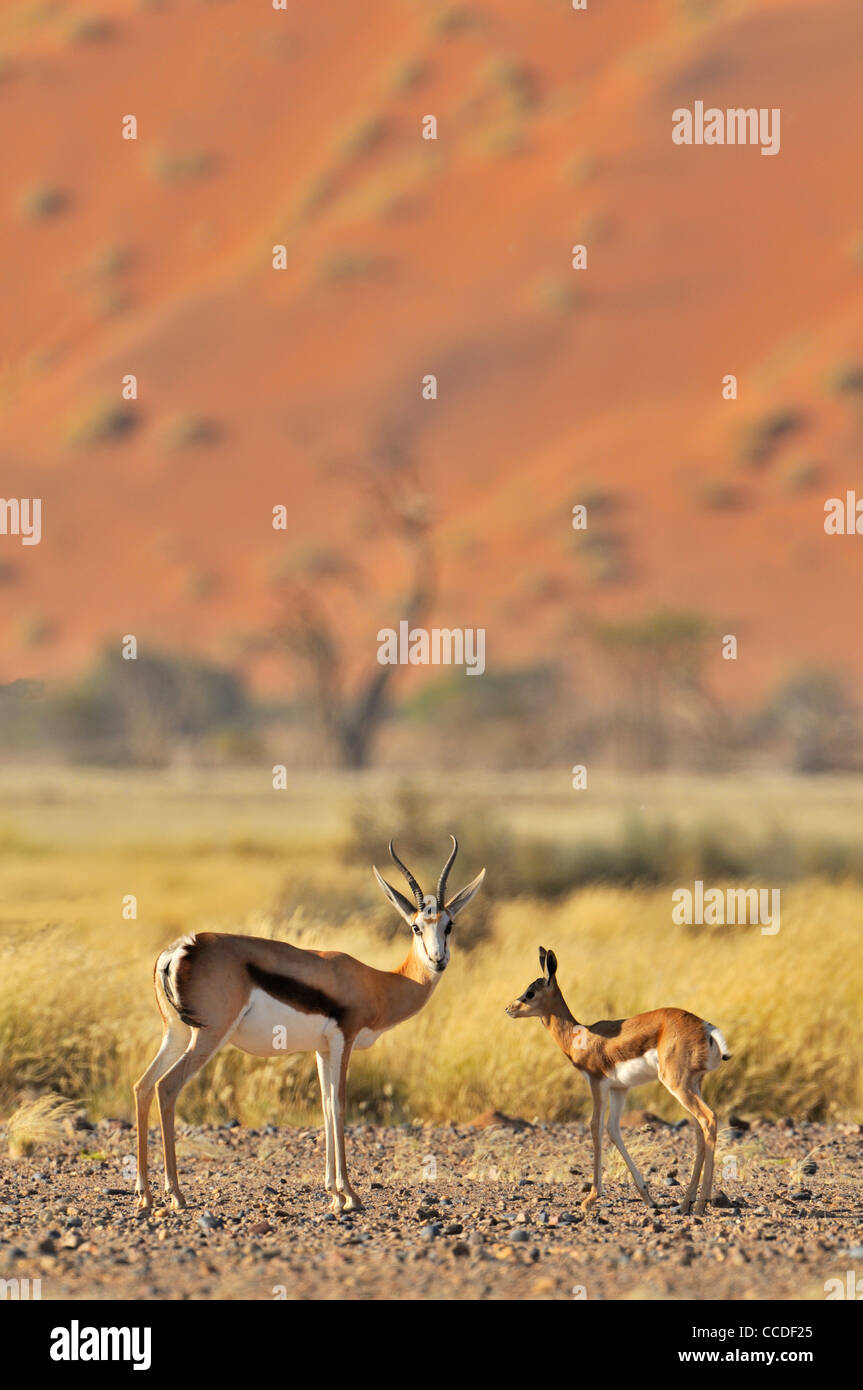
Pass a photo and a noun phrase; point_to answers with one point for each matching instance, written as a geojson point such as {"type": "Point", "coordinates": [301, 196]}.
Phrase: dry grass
{"type": "Point", "coordinates": [78, 1018]}
{"type": "Point", "coordinates": [37, 1121]}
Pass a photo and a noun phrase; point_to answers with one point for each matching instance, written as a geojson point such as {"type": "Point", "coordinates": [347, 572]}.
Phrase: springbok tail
{"type": "Point", "coordinates": [167, 968]}
{"type": "Point", "coordinates": [717, 1037]}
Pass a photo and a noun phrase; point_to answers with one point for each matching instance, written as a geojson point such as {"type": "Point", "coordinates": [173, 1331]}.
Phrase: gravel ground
{"type": "Point", "coordinates": [483, 1211]}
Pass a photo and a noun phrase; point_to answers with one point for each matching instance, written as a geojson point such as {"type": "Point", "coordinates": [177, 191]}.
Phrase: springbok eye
{"type": "Point", "coordinates": [417, 928]}
{"type": "Point", "coordinates": [529, 994]}
{"type": "Point", "coordinates": [448, 929]}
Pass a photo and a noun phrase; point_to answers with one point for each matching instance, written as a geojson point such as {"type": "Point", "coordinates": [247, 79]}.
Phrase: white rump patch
{"type": "Point", "coordinates": [175, 954]}
{"type": "Point", "coordinates": [717, 1047]}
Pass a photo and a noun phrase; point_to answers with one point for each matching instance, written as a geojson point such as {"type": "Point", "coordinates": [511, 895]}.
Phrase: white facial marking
{"type": "Point", "coordinates": [433, 938]}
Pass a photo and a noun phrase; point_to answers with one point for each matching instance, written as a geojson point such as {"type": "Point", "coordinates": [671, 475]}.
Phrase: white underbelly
{"type": "Point", "coordinates": [637, 1071]}
{"type": "Point", "coordinates": [270, 1028]}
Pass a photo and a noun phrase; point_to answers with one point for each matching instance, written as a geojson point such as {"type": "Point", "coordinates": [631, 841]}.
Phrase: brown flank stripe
{"type": "Point", "coordinates": [294, 992]}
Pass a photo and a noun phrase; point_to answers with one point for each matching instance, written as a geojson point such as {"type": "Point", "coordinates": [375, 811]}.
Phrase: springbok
{"type": "Point", "coordinates": [669, 1045]}
{"type": "Point", "coordinates": [268, 998]}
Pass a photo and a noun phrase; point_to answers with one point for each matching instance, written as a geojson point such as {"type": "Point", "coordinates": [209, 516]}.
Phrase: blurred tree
{"type": "Point", "coordinates": [139, 711]}
{"type": "Point", "coordinates": [350, 711]}
{"type": "Point", "coordinates": [811, 714]}
{"type": "Point", "coordinates": [659, 699]}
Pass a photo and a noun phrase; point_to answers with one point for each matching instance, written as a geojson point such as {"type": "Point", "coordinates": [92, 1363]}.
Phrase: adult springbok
{"type": "Point", "coordinates": [269, 998]}
{"type": "Point", "coordinates": [670, 1045]}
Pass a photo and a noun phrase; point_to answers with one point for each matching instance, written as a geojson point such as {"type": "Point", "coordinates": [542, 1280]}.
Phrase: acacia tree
{"type": "Point", "coordinates": [659, 695]}
{"type": "Point", "coordinates": [350, 710]}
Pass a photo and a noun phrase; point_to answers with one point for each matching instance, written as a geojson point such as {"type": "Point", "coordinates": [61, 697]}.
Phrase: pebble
{"type": "Point", "coordinates": [486, 1235]}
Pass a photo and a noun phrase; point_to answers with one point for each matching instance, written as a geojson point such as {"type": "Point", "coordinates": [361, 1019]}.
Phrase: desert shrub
{"type": "Point", "coordinates": [812, 719]}
{"type": "Point", "coordinates": [801, 474]}
{"type": "Point", "coordinates": [181, 166]}
{"type": "Point", "coordinates": [760, 439]}
{"type": "Point", "coordinates": [847, 380]}
{"type": "Point", "coordinates": [43, 200]}
{"type": "Point", "coordinates": [103, 423]}
{"type": "Point", "coordinates": [137, 710]}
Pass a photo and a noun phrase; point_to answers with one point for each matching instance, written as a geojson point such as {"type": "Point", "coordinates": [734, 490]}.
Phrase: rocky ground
{"type": "Point", "coordinates": [484, 1211]}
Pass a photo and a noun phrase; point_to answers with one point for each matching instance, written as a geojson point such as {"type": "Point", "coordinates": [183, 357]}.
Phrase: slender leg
{"type": "Point", "coordinates": [709, 1130]}
{"type": "Point", "coordinates": [615, 1107]}
{"type": "Point", "coordinates": [205, 1042]}
{"type": "Point", "coordinates": [689, 1095]}
{"type": "Point", "coordinates": [599, 1093]}
{"type": "Point", "coordinates": [173, 1045]}
{"type": "Point", "coordinates": [689, 1196]}
{"type": "Point", "coordinates": [326, 1106]}
{"type": "Point", "coordinates": [340, 1054]}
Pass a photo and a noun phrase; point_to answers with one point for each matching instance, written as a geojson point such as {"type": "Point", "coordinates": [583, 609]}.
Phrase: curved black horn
{"type": "Point", "coordinates": [415, 888]}
{"type": "Point", "coordinates": [444, 875]}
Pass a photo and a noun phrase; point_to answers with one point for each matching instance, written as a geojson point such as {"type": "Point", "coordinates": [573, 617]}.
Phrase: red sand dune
{"type": "Point", "coordinates": [406, 257]}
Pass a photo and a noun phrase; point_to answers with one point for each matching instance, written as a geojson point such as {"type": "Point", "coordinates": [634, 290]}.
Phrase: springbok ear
{"type": "Point", "coordinates": [400, 903]}
{"type": "Point", "coordinates": [461, 899]}
{"type": "Point", "coordinates": [550, 966]}
{"type": "Point", "coordinates": [542, 954]}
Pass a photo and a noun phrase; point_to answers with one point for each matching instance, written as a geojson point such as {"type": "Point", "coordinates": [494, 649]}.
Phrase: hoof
{"type": "Point", "coordinates": [352, 1202]}
{"type": "Point", "coordinates": [590, 1201]}
{"type": "Point", "coordinates": [177, 1202]}
{"type": "Point", "coordinates": [143, 1202]}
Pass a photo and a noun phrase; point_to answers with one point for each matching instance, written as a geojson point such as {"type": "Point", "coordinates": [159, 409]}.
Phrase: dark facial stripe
{"type": "Point", "coordinates": [294, 992]}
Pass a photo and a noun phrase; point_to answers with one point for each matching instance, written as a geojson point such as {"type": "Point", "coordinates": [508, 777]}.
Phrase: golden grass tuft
{"type": "Point", "coordinates": [78, 1019]}
{"type": "Point", "coordinates": [35, 1122]}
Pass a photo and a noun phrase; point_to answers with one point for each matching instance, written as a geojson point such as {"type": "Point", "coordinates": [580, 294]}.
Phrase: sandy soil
{"type": "Point", "coordinates": [460, 1212]}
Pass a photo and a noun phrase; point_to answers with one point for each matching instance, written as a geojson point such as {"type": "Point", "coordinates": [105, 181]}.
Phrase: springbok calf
{"type": "Point", "coordinates": [269, 998]}
{"type": "Point", "coordinates": [670, 1045]}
